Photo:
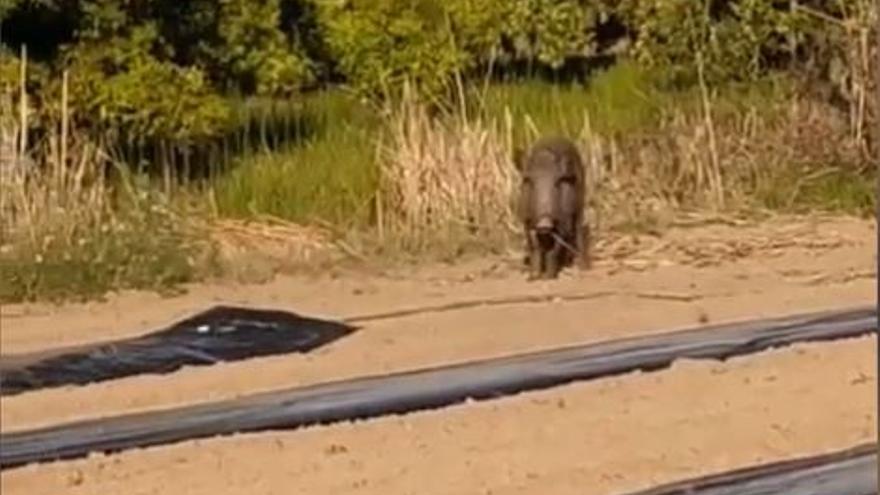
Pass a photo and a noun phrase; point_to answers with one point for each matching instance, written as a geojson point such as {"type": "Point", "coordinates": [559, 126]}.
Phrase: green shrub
{"type": "Point", "coordinates": [330, 175]}
{"type": "Point", "coordinates": [380, 44]}
{"type": "Point", "coordinates": [136, 246]}
{"type": "Point", "coordinates": [621, 99]}
{"type": "Point", "coordinates": [117, 84]}
{"type": "Point", "coordinates": [254, 51]}
{"type": "Point", "coordinates": [549, 31]}
{"type": "Point", "coordinates": [728, 41]}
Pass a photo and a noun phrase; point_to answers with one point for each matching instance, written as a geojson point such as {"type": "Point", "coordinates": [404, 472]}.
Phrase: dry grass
{"type": "Point", "coordinates": [449, 178]}
{"type": "Point", "coordinates": [853, 73]}
{"type": "Point", "coordinates": [677, 167]}
{"type": "Point", "coordinates": [447, 186]}
{"type": "Point", "coordinates": [254, 250]}
{"type": "Point", "coordinates": [65, 232]}
{"type": "Point", "coordinates": [61, 193]}
{"type": "Point", "coordinates": [720, 241]}
{"type": "Point", "coordinates": [444, 176]}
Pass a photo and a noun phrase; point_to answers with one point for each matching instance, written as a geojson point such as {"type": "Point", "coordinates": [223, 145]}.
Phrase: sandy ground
{"type": "Point", "coordinates": [603, 437]}
{"type": "Point", "coordinates": [611, 434]}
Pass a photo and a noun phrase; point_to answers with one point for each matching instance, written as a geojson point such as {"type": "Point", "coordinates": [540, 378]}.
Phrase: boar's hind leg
{"type": "Point", "coordinates": [534, 257]}
{"type": "Point", "coordinates": [582, 245]}
{"type": "Point", "coordinates": [552, 260]}
{"type": "Point", "coordinates": [569, 224]}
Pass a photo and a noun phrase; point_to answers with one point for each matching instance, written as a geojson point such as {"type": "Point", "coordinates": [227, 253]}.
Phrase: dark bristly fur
{"type": "Point", "coordinates": [551, 206]}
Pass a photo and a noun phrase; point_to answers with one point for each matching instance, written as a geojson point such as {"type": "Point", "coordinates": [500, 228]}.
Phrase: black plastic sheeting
{"type": "Point", "coordinates": [222, 333]}
{"type": "Point", "coordinates": [424, 389]}
{"type": "Point", "coordinates": [848, 472]}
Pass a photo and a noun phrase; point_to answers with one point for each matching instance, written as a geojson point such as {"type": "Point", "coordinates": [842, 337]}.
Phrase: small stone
{"type": "Point", "coordinates": [76, 478]}
{"type": "Point", "coordinates": [860, 379]}
{"type": "Point", "coordinates": [336, 449]}
{"type": "Point", "coordinates": [703, 318]}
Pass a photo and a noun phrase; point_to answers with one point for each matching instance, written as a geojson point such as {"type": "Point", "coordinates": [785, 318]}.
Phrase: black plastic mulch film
{"type": "Point", "coordinates": [220, 334]}
{"type": "Point", "coordinates": [424, 389]}
{"type": "Point", "coordinates": [847, 472]}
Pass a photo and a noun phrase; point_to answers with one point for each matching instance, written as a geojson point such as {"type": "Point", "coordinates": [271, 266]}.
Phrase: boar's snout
{"type": "Point", "coordinates": [544, 224]}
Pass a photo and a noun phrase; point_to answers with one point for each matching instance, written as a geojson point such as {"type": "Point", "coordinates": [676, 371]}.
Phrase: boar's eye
{"type": "Point", "coordinates": [565, 180]}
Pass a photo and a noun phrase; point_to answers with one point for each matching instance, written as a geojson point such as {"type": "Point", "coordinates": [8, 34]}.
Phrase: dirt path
{"type": "Point", "coordinates": [602, 437]}
{"type": "Point", "coordinates": [705, 416]}
{"type": "Point", "coordinates": [838, 254]}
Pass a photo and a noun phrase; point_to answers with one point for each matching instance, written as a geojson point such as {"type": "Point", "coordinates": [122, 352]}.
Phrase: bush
{"type": "Point", "coordinates": [550, 31]}
{"type": "Point", "coordinates": [170, 75]}
{"type": "Point", "coordinates": [380, 44]}
{"type": "Point", "coordinates": [731, 40]}
{"type": "Point", "coordinates": [264, 47]}
{"type": "Point", "coordinates": [253, 51]}
{"type": "Point", "coordinates": [118, 85]}
{"type": "Point", "coordinates": [146, 247]}
{"type": "Point", "coordinates": [330, 175]}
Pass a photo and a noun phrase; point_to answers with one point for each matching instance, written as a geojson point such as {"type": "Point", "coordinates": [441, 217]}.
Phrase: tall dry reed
{"type": "Point", "coordinates": [444, 175]}
{"type": "Point", "coordinates": [451, 174]}
{"type": "Point", "coordinates": [51, 187]}
{"type": "Point", "coordinates": [66, 231]}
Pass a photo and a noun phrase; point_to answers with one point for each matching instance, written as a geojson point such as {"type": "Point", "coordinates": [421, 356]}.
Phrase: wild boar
{"type": "Point", "coordinates": [551, 206]}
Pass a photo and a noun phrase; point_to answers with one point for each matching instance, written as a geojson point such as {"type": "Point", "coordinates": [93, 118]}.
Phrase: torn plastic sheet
{"type": "Point", "coordinates": [847, 472]}
{"type": "Point", "coordinates": [424, 389]}
{"type": "Point", "coordinates": [220, 334]}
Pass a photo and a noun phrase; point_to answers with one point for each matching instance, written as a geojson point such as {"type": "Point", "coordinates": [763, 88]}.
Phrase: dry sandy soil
{"type": "Point", "coordinates": [605, 436]}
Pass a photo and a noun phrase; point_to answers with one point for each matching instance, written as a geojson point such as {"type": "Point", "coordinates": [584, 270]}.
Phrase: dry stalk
{"type": "Point", "coordinates": [715, 179]}
{"type": "Point", "coordinates": [23, 103]}
{"type": "Point", "coordinates": [52, 198]}
{"type": "Point", "coordinates": [445, 173]}
{"type": "Point", "coordinates": [860, 18]}
{"type": "Point", "coordinates": [65, 122]}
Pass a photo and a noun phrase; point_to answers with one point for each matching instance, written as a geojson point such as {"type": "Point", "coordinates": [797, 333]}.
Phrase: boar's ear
{"type": "Point", "coordinates": [518, 157]}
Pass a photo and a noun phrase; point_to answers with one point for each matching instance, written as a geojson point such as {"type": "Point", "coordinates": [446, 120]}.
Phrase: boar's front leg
{"type": "Point", "coordinates": [582, 245]}
{"type": "Point", "coordinates": [552, 260]}
{"type": "Point", "coordinates": [534, 254]}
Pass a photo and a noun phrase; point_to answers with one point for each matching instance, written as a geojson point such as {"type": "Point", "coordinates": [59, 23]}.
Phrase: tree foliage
{"type": "Point", "coordinates": [163, 67]}
{"type": "Point", "coordinates": [732, 40]}
{"type": "Point", "coordinates": [379, 44]}
{"type": "Point", "coordinates": [122, 84]}
{"type": "Point", "coordinates": [550, 31]}
{"type": "Point", "coordinates": [253, 50]}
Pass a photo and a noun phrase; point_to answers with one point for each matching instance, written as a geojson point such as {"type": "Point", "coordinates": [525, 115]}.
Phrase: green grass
{"type": "Point", "coordinates": [334, 181]}
{"type": "Point", "coordinates": [315, 159]}
{"type": "Point", "coordinates": [617, 100]}
{"type": "Point", "coordinates": [331, 175]}
{"type": "Point", "coordinates": [139, 248]}
{"type": "Point", "coordinates": [621, 99]}
{"type": "Point", "coordinates": [838, 190]}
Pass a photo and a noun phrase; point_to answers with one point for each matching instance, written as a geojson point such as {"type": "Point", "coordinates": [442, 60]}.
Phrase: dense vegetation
{"type": "Point", "coordinates": [122, 119]}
